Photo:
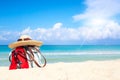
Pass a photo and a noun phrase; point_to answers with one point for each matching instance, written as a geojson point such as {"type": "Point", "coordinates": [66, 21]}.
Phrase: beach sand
{"type": "Point", "coordinates": [88, 70]}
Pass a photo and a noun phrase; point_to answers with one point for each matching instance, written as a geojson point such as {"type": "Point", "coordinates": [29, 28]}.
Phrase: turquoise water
{"type": "Point", "coordinates": [69, 53]}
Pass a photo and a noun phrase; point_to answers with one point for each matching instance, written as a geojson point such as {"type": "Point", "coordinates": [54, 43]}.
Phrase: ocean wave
{"type": "Point", "coordinates": [81, 53]}
{"type": "Point", "coordinates": [1, 59]}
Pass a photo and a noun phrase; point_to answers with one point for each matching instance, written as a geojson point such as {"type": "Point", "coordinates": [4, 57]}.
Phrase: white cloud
{"type": "Point", "coordinates": [62, 34]}
{"type": "Point", "coordinates": [99, 24]}
{"type": "Point", "coordinates": [8, 36]}
{"type": "Point", "coordinates": [99, 9]}
{"type": "Point", "coordinates": [99, 20]}
{"type": "Point", "coordinates": [26, 31]}
{"type": "Point", "coordinates": [57, 26]}
{"type": "Point", "coordinates": [110, 30]}
{"type": "Point", "coordinates": [56, 33]}
{"type": "Point", "coordinates": [99, 13]}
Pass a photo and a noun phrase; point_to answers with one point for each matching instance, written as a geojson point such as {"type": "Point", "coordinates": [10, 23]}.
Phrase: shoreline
{"type": "Point", "coordinates": [88, 70]}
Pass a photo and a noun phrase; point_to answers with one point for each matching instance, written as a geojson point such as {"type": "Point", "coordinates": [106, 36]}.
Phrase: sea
{"type": "Point", "coordinates": [69, 53]}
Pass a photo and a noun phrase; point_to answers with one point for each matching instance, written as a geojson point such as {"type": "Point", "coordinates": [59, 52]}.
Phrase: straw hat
{"type": "Point", "coordinates": [25, 40]}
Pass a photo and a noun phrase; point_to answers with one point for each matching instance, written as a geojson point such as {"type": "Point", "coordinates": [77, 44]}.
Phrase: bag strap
{"type": "Point", "coordinates": [33, 59]}
{"type": "Point", "coordinates": [43, 58]}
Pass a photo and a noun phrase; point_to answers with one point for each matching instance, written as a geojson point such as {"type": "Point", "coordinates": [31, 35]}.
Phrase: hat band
{"type": "Point", "coordinates": [25, 39]}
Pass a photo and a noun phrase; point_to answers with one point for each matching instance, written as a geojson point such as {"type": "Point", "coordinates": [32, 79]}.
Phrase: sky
{"type": "Point", "coordinates": [61, 22]}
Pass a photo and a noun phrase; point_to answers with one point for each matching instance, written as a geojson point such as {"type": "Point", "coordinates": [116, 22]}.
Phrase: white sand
{"type": "Point", "coordinates": [90, 70]}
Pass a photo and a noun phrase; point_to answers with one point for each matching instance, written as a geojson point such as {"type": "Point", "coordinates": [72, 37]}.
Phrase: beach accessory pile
{"type": "Point", "coordinates": [33, 56]}
{"type": "Point", "coordinates": [26, 52]}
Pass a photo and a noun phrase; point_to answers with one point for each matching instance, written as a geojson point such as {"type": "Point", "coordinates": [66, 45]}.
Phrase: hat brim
{"type": "Point", "coordinates": [25, 43]}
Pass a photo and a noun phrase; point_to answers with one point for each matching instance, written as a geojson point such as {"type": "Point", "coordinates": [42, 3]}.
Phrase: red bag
{"type": "Point", "coordinates": [18, 59]}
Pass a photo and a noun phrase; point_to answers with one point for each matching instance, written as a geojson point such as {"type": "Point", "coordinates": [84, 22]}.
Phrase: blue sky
{"type": "Point", "coordinates": [81, 22]}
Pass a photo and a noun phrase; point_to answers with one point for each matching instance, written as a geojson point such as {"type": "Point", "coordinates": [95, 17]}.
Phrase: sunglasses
{"type": "Point", "coordinates": [25, 39]}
